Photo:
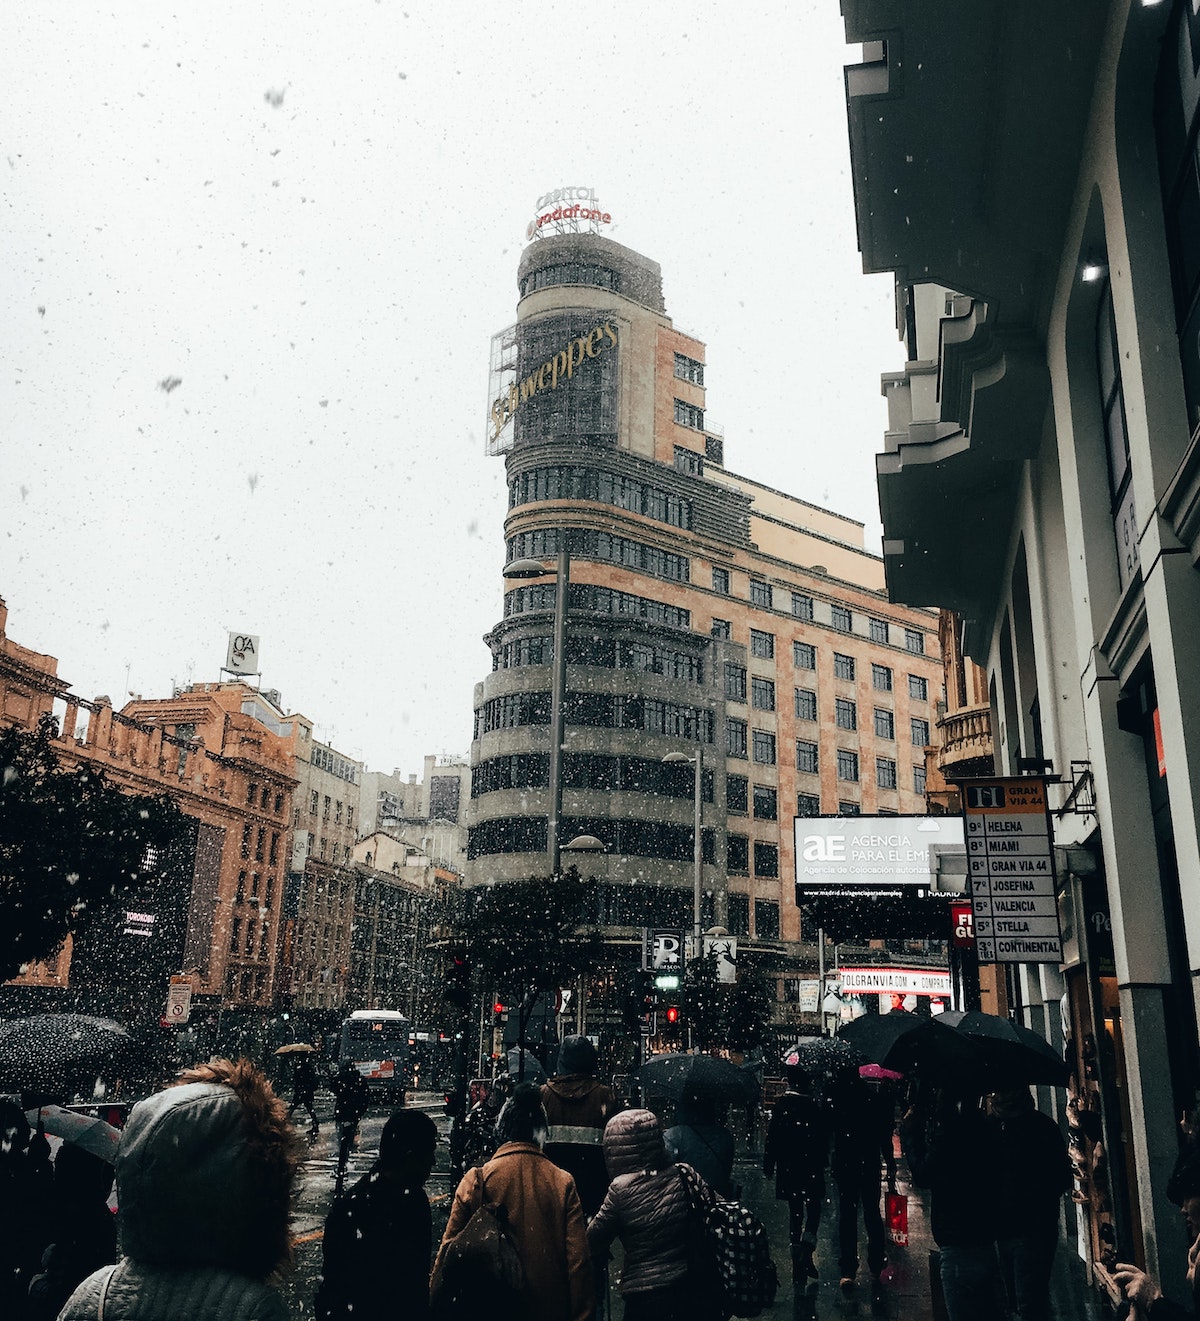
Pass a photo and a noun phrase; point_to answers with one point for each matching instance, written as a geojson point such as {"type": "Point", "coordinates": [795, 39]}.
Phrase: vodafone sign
{"type": "Point", "coordinates": [567, 211]}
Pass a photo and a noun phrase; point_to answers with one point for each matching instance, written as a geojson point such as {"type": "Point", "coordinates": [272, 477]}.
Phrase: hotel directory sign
{"type": "Point", "coordinates": [1010, 859]}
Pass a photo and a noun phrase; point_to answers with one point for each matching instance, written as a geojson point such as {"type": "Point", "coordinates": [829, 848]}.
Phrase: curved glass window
{"type": "Point", "coordinates": [603, 653]}
{"type": "Point", "coordinates": [597, 711]}
{"type": "Point", "coordinates": [585, 597]}
{"type": "Point", "coordinates": [590, 770]}
{"type": "Point", "coordinates": [595, 544]}
{"type": "Point", "coordinates": [562, 481]}
{"type": "Point", "coordinates": [570, 272]}
{"type": "Point", "coordinates": [630, 838]}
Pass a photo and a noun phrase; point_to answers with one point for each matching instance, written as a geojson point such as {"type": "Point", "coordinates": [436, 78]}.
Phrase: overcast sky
{"type": "Point", "coordinates": [309, 216]}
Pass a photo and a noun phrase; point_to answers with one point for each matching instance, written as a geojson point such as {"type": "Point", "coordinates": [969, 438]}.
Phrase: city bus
{"type": "Point", "coordinates": [375, 1041]}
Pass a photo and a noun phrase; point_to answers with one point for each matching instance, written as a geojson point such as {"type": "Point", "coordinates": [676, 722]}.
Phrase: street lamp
{"type": "Point", "coordinates": [562, 573]}
{"type": "Point", "coordinates": [673, 758]}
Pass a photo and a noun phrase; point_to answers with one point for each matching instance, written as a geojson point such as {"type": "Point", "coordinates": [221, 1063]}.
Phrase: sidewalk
{"type": "Point", "coordinates": [906, 1291]}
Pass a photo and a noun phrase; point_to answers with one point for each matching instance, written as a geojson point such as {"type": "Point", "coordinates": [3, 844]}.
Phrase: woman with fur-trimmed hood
{"type": "Point", "coordinates": [205, 1175]}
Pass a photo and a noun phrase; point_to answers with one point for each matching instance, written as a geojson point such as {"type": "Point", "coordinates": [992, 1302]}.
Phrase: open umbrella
{"type": "Point", "coordinates": [901, 1040]}
{"type": "Point", "coordinates": [296, 1048]}
{"type": "Point", "coordinates": [1011, 1055]}
{"type": "Point", "coordinates": [41, 1053]}
{"type": "Point", "coordinates": [823, 1058]}
{"type": "Point", "coordinates": [533, 1071]}
{"type": "Point", "coordinates": [84, 1131]}
{"type": "Point", "coordinates": [678, 1077]}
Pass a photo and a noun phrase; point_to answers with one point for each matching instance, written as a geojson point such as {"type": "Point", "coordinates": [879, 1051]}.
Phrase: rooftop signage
{"type": "Point", "coordinates": [567, 211]}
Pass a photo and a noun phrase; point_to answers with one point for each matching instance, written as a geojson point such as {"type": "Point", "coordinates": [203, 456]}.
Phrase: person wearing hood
{"type": "Point", "coordinates": [378, 1237]}
{"type": "Point", "coordinates": [24, 1210]}
{"type": "Point", "coordinates": [543, 1218]}
{"type": "Point", "coordinates": [698, 1138]}
{"type": "Point", "coordinates": [649, 1209]}
{"type": "Point", "coordinates": [205, 1176]}
{"type": "Point", "coordinates": [578, 1106]}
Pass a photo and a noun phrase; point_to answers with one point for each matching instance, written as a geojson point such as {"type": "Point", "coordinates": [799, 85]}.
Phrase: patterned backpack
{"type": "Point", "coordinates": [740, 1249]}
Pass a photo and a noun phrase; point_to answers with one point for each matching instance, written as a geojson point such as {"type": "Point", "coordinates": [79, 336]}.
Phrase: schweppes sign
{"type": "Point", "coordinates": [551, 374]}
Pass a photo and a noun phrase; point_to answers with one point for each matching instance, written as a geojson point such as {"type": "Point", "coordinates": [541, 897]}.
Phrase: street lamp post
{"type": "Point", "coordinates": [558, 679]}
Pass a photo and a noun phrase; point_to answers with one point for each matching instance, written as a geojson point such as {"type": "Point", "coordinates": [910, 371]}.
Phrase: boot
{"type": "Point", "coordinates": [803, 1266]}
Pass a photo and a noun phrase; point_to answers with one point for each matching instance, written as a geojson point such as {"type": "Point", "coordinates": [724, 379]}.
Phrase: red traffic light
{"type": "Point", "coordinates": [672, 1013]}
{"type": "Point", "coordinates": [497, 1008]}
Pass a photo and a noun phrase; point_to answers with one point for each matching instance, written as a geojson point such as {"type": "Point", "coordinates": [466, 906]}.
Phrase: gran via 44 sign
{"type": "Point", "coordinates": [1010, 861]}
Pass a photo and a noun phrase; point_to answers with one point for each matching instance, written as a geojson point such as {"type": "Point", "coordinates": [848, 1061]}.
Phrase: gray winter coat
{"type": "Point", "coordinates": [189, 1204]}
{"type": "Point", "coordinates": [646, 1205]}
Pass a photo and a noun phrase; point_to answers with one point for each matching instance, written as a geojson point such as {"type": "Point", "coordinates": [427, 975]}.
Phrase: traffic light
{"type": "Point", "coordinates": [672, 1015]}
{"type": "Point", "coordinates": [499, 1014]}
{"type": "Point", "coordinates": [456, 980]}
{"type": "Point", "coordinates": [641, 1002]}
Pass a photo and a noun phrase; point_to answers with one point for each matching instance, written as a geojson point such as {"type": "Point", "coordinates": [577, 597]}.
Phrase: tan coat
{"type": "Point", "coordinates": [546, 1221]}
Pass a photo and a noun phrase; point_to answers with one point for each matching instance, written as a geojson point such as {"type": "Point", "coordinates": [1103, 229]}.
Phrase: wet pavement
{"type": "Point", "coordinates": [905, 1292]}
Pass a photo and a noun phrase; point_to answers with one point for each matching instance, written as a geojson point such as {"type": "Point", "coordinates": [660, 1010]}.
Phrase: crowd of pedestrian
{"type": "Point", "coordinates": [206, 1171]}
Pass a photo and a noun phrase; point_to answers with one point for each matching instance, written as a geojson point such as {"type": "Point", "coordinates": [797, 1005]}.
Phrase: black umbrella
{"type": "Point", "coordinates": [682, 1077]}
{"type": "Point", "coordinates": [45, 1052]}
{"type": "Point", "coordinates": [532, 1071]}
{"type": "Point", "coordinates": [824, 1058]}
{"type": "Point", "coordinates": [1011, 1055]}
{"type": "Point", "coordinates": [901, 1040]}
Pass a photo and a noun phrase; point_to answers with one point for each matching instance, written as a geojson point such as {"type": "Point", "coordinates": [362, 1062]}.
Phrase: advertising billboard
{"type": "Point", "coordinates": [883, 855]}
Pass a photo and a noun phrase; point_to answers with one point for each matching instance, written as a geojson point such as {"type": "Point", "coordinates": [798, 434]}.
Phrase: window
{"type": "Point", "coordinates": [688, 369]}
{"type": "Point", "coordinates": [762, 644]}
{"type": "Point", "coordinates": [735, 737]}
{"type": "Point", "coordinates": [737, 790]}
{"type": "Point", "coordinates": [919, 779]}
{"type": "Point", "coordinates": [688, 415]}
{"type": "Point", "coordinates": [802, 605]}
{"type": "Point", "coordinates": [885, 723]}
{"type": "Point", "coordinates": [878, 629]}
{"type": "Point", "coordinates": [920, 732]}
{"type": "Point", "coordinates": [846, 808]}
{"type": "Point", "coordinates": [918, 688]}
{"type": "Point", "coordinates": [689, 461]}
{"type": "Point", "coordinates": [721, 580]}
{"type": "Point", "coordinates": [806, 757]}
{"type": "Point", "coordinates": [1116, 432]}
{"type": "Point", "coordinates": [737, 855]}
{"type": "Point", "coordinates": [762, 694]}
{"type": "Point", "coordinates": [847, 765]}
{"type": "Point", "coordinates": [840, 618]}
{"type": "Point", "coordinates": [720, 628]}
{"type": "Point", "coordinates": [808, 805]}
{"type": "Point", "coordinates": [881, 678]}
{"type": "Point", "coordinates": [764, 747]}
{"type": "Point", "coordinates": [349, 814]}
{"type": "Point", "coordinates": [914, 641]}
{"type": "Point", "coordinates": [845, 713]}
{"type": "Point", "coordinates": [325, 814]}
{"type": "Point", "coordinates": [766, 803]}
{"type": "Point", "coordinates": [804, 656]}
{"type": "Point", "coordinates": [885, 772]}
{"type": "Point", "coordinates": [337, 813]}
{"type": "Point", "coordinates": [735, 682]}
{"type": "Point", "coordinates": [760, 593]}
{"type": "Point", "coordinates": [766, 859]}
{"type": "Point", "coordinates": [766, 917]}
{"type": "Point", "coordinates": [806, 704]}
{"type": "Point", "coordinates": [843, 666]}
{"type": "Point", "coordinates": [313, 803]}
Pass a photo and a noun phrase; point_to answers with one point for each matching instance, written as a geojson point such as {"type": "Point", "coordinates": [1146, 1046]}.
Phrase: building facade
{"type": "Point", "coordinates": [226, 772]}
{"type": "Point", "coordinates": [707, 615]}
{"type": "Point", "coordinates": [1041, 478]}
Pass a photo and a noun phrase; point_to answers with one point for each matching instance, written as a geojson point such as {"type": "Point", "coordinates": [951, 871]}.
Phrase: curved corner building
{"type": "Point", "coordinates": [704, 612]}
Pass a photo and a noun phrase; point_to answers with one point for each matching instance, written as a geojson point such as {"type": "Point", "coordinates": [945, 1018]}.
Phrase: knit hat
{"type": "Point", "coordinates": [577, 1055]}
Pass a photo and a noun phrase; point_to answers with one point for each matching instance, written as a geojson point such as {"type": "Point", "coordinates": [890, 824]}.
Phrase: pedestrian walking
{"type": "Point", "coordinates": [24, 1209]}
{"type": "Point", "coordinates": [543, 1219]}
{"type": "Point", "coordinates": [1142, 1291]}
{"type": "Point", "coordinates": [796, 1153]}
{"type": "Point", "coordinates": [578, 1106]}
{"type": "Point", "coordinates": [698, 1138]}
{"type": "Point", "coordinates": [649, 1209]}
{"type": "Point", "coordinates": [378, 1237]}
{"type": "Point", "coordinates": [82, 1231]}
{"type": "Point", "coordinates": [1032, 1174]}
{"type": "Point", "coordinates": [949, 1143]}
{"type": "Point", "coordinates": [351, 1097]}
{"type": "Point", "coordinates": [304, 1090]}
{"type": "Point", "coordinates": [479, 1140]}
{"type": "Point", "coordinates": [205, 1176]}
{"type": "Point", "coordinates": [856, 1172]}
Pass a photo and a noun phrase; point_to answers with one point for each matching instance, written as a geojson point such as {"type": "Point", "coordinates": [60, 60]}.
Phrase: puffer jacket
{"type": "Point", "coordinates": [190, 1206]}
{"type": "Point", "coordinates": [647, 1205]}
{"type": "Point", "coordinates": [578, 1107]}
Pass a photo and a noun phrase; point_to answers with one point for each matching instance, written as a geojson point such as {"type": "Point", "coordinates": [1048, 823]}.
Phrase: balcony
{"type": "Point", "coordinates": [965, 738]}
